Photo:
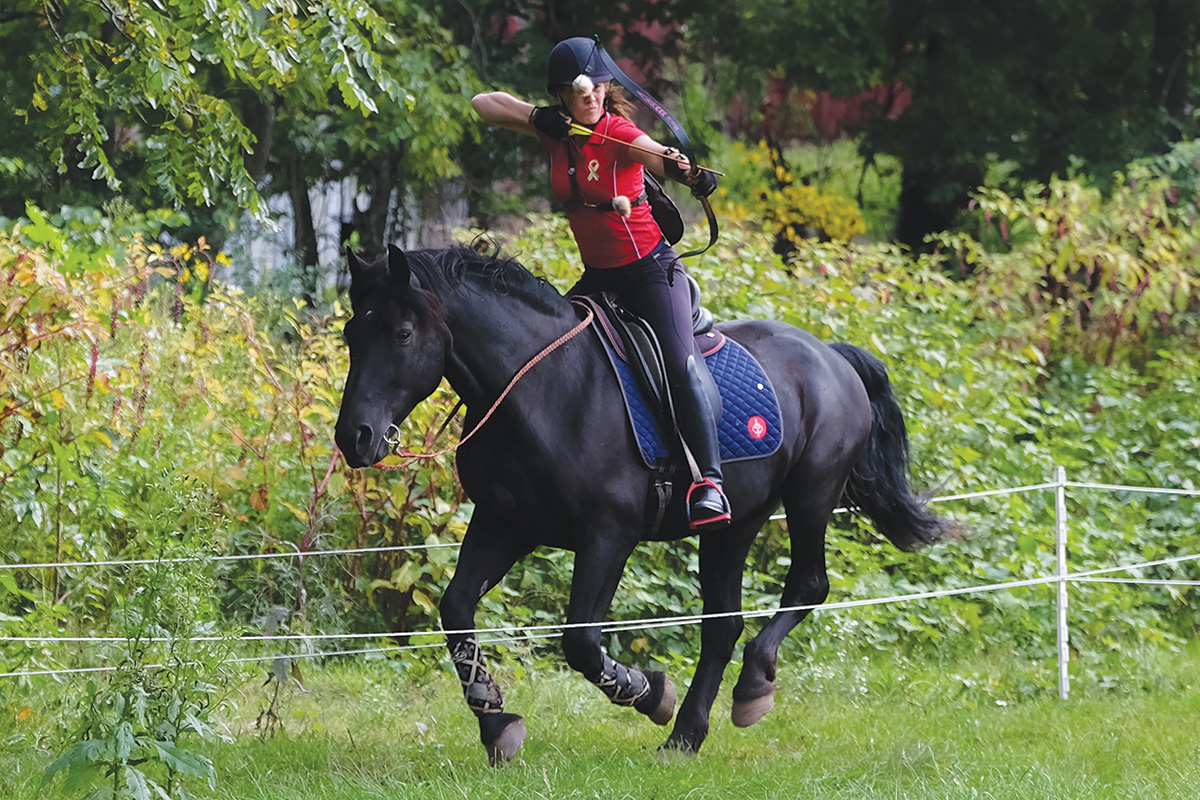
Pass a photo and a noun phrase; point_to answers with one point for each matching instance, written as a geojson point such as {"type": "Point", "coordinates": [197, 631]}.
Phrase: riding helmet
{"type": "Point", "coordinates": [571, 58]}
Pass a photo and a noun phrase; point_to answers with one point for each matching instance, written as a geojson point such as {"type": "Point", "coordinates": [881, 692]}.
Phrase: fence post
{"type": "Point", "coordinates": [1060, 517]}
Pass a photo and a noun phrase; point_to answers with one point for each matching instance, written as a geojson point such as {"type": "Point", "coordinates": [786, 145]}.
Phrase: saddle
{"type": "Point", "coordinates": [636, 344]}
{"type": "Point", "coordinates": [749, 425]}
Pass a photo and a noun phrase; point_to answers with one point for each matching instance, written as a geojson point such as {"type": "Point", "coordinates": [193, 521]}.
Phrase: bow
{"type": "Point", "coordinates": [685, 142]}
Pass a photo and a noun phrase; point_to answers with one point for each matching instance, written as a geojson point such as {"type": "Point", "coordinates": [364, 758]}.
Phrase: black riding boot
{"type": "Point", "coordinates": [707, 506]}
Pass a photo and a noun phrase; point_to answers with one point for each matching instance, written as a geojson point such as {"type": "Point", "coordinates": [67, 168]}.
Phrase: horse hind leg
{"type": "Point", "coordinates": [722, 560]}
{"type": "Point", "coordinates": [806, 585]}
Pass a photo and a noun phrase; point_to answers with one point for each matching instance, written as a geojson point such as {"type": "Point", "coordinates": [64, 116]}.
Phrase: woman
{"type": "Point", "coordinates": [600, 181]}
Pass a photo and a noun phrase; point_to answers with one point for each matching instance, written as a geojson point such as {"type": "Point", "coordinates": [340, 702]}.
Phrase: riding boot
{"type": "Point", "coordinates": [707, 506]}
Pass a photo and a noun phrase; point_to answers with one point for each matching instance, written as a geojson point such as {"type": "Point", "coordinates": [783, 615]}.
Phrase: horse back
{"type": "Point", "coordinates": [823, 403]}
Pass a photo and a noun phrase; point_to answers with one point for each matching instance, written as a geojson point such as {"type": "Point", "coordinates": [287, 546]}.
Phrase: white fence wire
{"type": "Point", "coordinates": [503, 634]}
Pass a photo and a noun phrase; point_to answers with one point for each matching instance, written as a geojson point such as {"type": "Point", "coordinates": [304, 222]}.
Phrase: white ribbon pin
{"type": "Point", "coordinates": [593, 166]}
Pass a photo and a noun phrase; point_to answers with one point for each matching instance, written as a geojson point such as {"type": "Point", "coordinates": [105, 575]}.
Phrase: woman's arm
{"type": "Point", "coordinates": [505, 111]}
{"type": "Point", "coordinates": [649, 154]}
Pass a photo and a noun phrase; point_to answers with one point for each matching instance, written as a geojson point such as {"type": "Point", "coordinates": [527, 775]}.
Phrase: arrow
{"type": "Point", "coordinates": [581, 130]}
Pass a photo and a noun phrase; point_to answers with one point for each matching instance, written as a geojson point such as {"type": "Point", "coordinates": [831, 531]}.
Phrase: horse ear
{"type": "Point", "coordinates": [398, 266]}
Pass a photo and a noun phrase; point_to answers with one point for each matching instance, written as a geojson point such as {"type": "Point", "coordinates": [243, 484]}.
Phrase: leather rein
{"type": "Point", "coordinates": [392, 435]}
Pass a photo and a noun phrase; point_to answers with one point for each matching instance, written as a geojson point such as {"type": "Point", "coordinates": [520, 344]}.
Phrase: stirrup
{"type": "Point", "coordinates": [719, 519]}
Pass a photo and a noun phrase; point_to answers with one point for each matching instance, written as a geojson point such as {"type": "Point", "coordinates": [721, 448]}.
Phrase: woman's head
{"type": "Point", "coordinates": [578, 78]}
{"type": "Point", "coordinates": [585, 108]}
{"type": "Point", "coordinates": [575, 62]}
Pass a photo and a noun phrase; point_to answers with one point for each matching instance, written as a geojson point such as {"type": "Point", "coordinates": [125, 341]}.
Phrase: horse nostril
{"type": "Point", "coordinates": [365, 440]}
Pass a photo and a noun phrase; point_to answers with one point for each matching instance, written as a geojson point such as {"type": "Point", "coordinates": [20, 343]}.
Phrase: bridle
{"type": "Point", "coordinates": [392, 434]}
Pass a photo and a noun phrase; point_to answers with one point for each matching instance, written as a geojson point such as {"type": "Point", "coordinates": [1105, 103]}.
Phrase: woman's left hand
{"type": "Point", "coordinates": [703, 183]}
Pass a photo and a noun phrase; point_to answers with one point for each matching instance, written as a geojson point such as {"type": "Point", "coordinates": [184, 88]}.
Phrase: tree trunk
{"type": "Point", "coordinates": [918, 216]}
{"type": "Point", "coordinates": [258, 115]}
{"type": "Point", "coordinates": [1174, 39]}
{"type": "Point", "coordinates": [371, 222]}
{"type": "Point", "coordinates": [304, 241]}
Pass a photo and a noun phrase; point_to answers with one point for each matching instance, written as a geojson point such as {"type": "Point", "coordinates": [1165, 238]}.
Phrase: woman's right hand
{"type": "Point", "coordinates": [550, 121]}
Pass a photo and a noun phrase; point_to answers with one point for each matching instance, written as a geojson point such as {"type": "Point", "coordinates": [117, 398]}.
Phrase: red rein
{"type": "Point", "coordinates": [550, 348]}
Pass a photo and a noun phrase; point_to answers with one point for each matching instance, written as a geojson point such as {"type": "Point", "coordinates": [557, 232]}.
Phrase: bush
{"type": "Point", "coordinates": [133, 377]}
{"type": "Point", "coordinates": [761, 189]}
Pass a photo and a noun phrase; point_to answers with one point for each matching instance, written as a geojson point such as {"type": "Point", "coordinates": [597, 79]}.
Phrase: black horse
{"type": "Point", "coordinates": [557, 466]}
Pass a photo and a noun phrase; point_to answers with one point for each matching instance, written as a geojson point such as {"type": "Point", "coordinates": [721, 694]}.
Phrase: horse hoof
{"type": "Point", "coordinates": [747, 712]}
{"type": "Point", "coordinates": [675, 751]}
{"type": "Point", "coordinates": [662, 688]}
{"type": "Point", "coordinates": [666, 707]}
{"type": "Point", "coordinates": [504, 747]}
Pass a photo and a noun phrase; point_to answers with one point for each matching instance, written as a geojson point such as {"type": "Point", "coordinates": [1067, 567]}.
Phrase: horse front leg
{"type": "Point", "coordinates": [596, 575]}
{"type": "Point", "coordinates": [486, 556]}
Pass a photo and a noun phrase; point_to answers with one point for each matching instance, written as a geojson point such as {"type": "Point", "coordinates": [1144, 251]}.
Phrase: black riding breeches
{"type": "Point", "coordinates": [650, 288]}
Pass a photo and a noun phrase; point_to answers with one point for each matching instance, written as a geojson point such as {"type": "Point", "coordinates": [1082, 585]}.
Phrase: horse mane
{"type": "Point", "coordinates": [441, 271]}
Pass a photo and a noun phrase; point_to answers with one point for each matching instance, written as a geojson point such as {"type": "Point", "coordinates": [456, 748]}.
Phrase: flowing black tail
{"type": "Point", "coordinates": [878, 486]}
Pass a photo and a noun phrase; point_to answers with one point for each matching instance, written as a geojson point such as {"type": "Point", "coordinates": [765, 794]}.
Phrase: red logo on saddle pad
{"type": "Point", "coordinates": [756, 426]}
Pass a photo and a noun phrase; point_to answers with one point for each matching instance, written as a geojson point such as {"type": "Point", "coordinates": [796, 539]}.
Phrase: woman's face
{"type": "Point", "coordinates": [586, 109]}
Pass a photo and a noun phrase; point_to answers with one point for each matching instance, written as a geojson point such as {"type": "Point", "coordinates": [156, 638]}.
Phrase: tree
{"type": "Point", "coordinates": [161, 101]}
{"type": "Point", "coordinates": [1039, 84]}
{"type": "Point", "coordinates": [404, 150]}
{"type": "Point", "coordinates": [208, 105]}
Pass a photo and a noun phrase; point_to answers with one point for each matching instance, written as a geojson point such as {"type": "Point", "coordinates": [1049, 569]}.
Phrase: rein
{"type": "Point", "coordinates": [392, 435]}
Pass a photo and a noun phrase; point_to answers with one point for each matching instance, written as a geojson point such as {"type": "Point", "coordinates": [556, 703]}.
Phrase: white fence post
{"type": "Point", "coordinates": [1060, 517]}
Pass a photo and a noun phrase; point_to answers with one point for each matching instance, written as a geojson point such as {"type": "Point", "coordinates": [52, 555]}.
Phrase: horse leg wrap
{"type": "Point", "coordinates": [622, 685]}
{"type": "Point", "coordinates": [479, 687]}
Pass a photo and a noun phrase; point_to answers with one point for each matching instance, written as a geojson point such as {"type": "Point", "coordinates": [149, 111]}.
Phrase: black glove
{"type": "Point", "coordinates": [550, 121]}
{"type": "Point", "coordinates": [703, 183]}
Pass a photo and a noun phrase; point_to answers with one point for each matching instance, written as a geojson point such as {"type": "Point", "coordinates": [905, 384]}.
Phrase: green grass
{"type": "Point", "coordinates": [883, 729]}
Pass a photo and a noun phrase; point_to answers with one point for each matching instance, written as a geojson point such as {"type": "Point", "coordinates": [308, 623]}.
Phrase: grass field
{"type": "Point", "coordinates": [880, 729]}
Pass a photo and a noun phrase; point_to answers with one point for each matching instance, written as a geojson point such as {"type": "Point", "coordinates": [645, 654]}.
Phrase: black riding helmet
{"type": "Point", "coordinates": [571, 58]}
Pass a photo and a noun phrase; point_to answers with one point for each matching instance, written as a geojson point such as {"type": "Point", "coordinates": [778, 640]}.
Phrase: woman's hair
{"type": "Point", "coordinates": [616, 100]}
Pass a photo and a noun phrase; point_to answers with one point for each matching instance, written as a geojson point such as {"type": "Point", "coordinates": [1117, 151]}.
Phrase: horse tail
{"type": "Point", "coordinates": [878, 484]}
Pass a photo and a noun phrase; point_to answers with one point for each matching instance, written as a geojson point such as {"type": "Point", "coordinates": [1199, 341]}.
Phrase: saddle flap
{"type": "Point", "coordinates": [641, 351]}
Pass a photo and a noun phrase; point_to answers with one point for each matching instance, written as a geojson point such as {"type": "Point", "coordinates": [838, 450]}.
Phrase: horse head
{"type": "Point", "coordinates": [398, 344]}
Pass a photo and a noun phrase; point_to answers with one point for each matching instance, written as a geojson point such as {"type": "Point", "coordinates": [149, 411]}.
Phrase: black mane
{"type": "Point", "coordinates": [440, 272]}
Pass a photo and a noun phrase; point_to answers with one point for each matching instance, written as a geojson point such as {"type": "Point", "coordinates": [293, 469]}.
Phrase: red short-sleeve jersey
{"type": "Point", "coordinates": [604, 170]}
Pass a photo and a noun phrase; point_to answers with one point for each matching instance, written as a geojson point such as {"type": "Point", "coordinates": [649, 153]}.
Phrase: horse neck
{"type": "Point", "coordinates": [493, 336]}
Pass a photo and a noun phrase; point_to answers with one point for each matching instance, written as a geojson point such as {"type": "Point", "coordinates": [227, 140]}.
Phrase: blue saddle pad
{"type": "Point", "coordinates": [751, 425]}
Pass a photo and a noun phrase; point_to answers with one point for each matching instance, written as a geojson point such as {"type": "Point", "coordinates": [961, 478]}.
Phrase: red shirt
{"type": "Point", "coordinates": [604, 170]}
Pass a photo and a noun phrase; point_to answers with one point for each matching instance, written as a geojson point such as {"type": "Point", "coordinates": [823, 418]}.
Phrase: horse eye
{"type": "Point", "coordinates": [404, 335]}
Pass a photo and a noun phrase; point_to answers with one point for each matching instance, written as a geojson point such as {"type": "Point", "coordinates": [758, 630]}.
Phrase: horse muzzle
{"type": "Point", "coordinates": [364, 445]}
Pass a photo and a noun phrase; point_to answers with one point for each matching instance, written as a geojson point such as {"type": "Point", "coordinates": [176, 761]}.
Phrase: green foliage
{"type": "Point", "coordinates": [188, 376]}
{"type": "Point", "coordinates": [765, 190]}
{"type": "Point", "coordinates": [132, 737]}
{"type": "Point", "coordinates": [1105, 276]}
{"type": "Point", "coordinates": [125, 362]}
{"type": "Point", "coordinates": [161, 79]}
{"type": "Point", "coordinates": [112, 90]}
{"type": "Point", "coordinates": [1041, 84]}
